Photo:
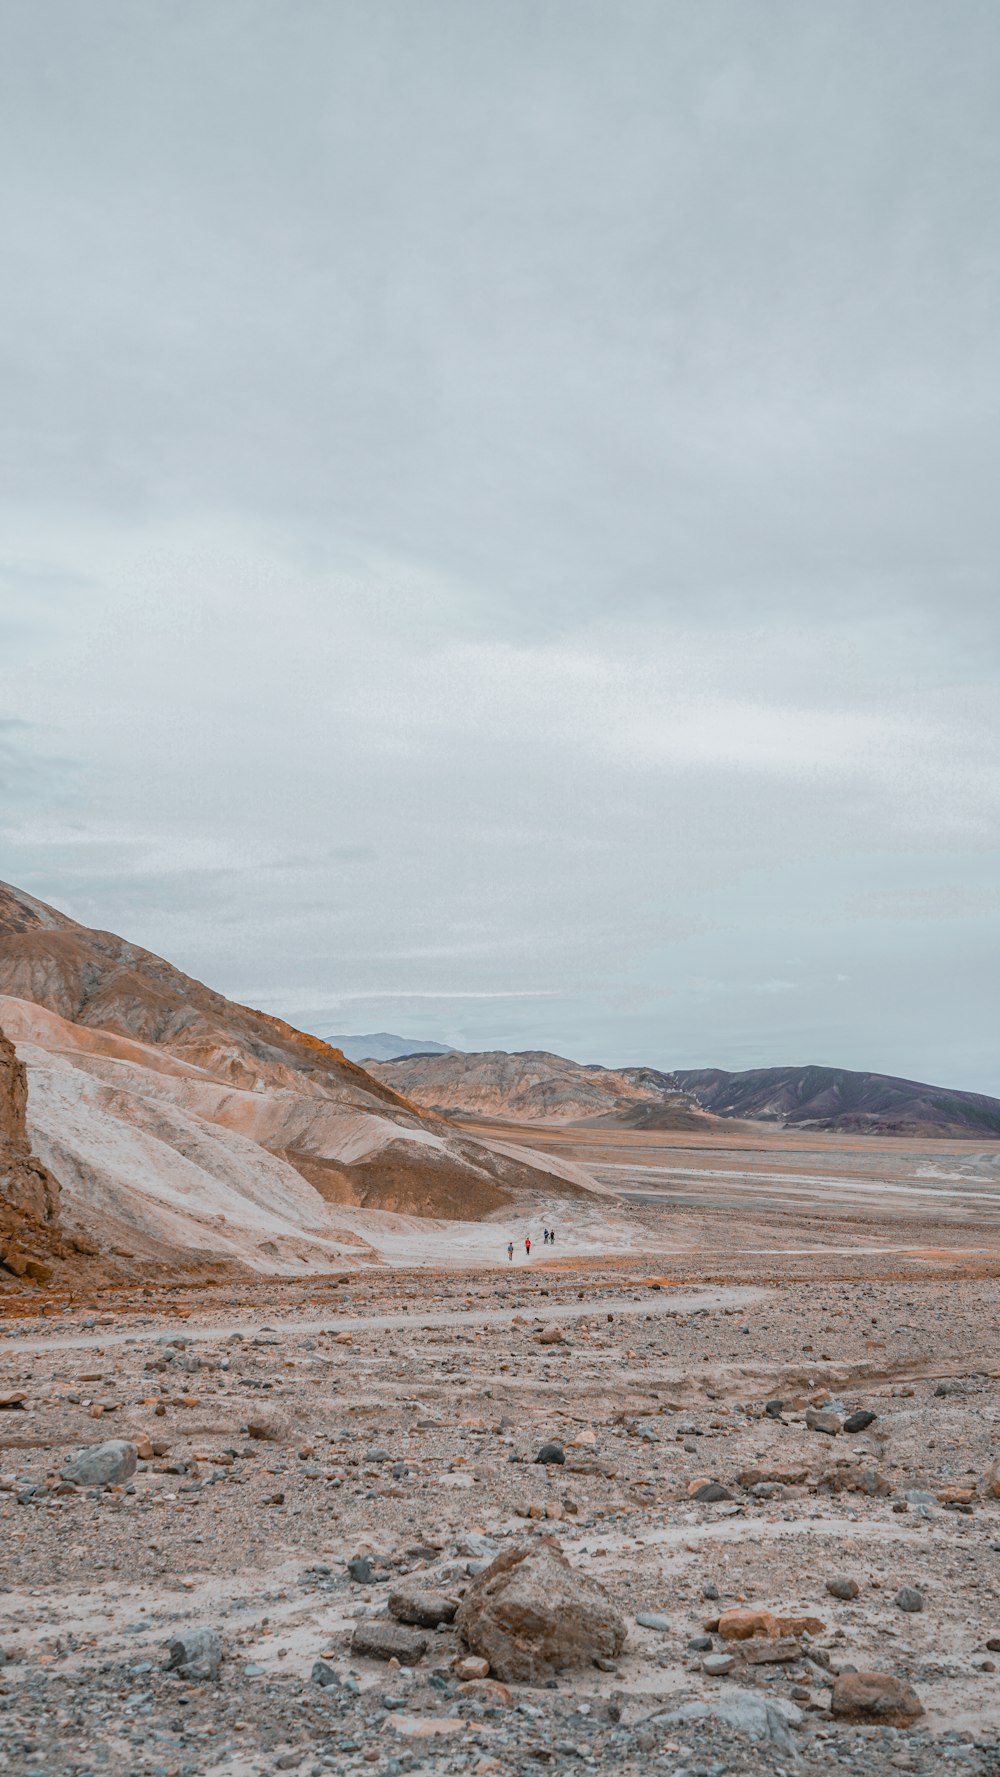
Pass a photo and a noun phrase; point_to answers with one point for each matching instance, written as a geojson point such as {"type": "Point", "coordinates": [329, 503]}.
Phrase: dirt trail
{"type": "Point", "coordinates": [668, 1302]}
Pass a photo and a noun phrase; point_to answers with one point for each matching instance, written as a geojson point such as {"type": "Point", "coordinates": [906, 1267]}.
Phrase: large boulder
{"type": "Point", "coordinates": [875, 1697]}
{"type": "Point", "coordinates": [102, 1465]}
{"type": "Point", "coordinates": [531, 1614]}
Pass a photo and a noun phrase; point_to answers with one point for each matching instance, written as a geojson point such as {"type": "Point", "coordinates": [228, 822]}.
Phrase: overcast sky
{"type": "Point", "coordinates": [499, 519]}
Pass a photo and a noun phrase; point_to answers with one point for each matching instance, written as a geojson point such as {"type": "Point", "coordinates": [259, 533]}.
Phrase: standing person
{"type": "Point", "coordinates": [552, 1237]}
{"type": "Point", "coordinates": [510, 1249]}
{"type": "Point", "coordinates": [527, 1245]}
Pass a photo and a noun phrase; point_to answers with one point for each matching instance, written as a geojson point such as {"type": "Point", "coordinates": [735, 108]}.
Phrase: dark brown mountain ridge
{"type": "Point", "coordinates": [845, 1099]}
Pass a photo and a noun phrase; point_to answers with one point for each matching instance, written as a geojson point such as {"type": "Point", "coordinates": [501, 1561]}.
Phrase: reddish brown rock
{"type": "Point", "coordinates": [786, 1474]}
{"type": "Point", "coordinates": [743, 1625]}
{"type": "Point", "coordinates": [875, 1697]}
{"type": "Point", "coordinates": [531, 1615]}
{"type": "Point", "coordinates": [488, 1692]}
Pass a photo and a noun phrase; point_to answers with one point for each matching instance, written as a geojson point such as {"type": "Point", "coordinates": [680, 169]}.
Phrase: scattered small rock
{"type": "Point", "coordinates": [195, 1654]}
{"type": "Point", "coordinates": [269, 1424]}
{"type": "Point", "coordinates": [842, 1588]}
{"type": "Point", "coordinates": [909, 1599]}
{"type": "Point", "coordinates": [817, 1419]}
{"type": "Point", "coordinates": [859, 1421]}
{"type": "Point", "coordinates": [469, 1667]}
{"type": "Point", "coordinates": [717, 1665]}
{"type": "Point", "coordinates": [379, 1640]}
{"type": "Point", "coordinates": [551, 1453]}
{"type": "Point", "coordinates": [709, 1492]}
{"type": "Point", "coordinates": [324, 1675]}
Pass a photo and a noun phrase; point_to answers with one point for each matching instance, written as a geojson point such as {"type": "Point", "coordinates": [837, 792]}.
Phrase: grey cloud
{"type": "Point", "coordinates": [499, 501]}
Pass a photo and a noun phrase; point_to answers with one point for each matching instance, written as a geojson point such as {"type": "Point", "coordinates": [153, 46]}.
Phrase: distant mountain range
{"type": "Point", "coordinates": [838, 1098]}
{"type": "Point", "coordinates": [382, 1045]}
{"type": "Point", "coordinates": [535, 1086]}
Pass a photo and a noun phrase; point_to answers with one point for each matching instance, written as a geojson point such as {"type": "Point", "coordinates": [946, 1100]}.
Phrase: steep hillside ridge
{"type": "Point", "coordinates": [182, 1126]}
{"type": "Point", "coordinates": [837, 1098]}
{"type": "Point", "coordinates": [538, 1087]}
{"type": "Point", "coordinates": [96, 978]}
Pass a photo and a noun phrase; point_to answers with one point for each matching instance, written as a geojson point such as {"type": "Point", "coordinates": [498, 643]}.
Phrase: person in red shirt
{"type": "Point", "coordinates": [527, 1245]}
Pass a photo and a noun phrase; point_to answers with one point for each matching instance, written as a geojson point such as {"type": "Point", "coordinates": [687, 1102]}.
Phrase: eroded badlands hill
{"type": "Point", "coordinates": [183, 1126]}
{"type": "Point", "coordinates": [535, 1086]}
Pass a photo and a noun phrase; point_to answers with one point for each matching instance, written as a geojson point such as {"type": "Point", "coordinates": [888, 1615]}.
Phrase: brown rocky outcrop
{"type": "Point", "coordinates": [531, 1614]}
{"type": "Point", "coordinates": [25, 1184]}
{"type": "Point", "coordinates": [29, 1195]}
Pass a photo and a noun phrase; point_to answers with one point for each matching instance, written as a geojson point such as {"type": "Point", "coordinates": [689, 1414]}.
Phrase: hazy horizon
{"type": "Point", "coordinates": [499, 522]}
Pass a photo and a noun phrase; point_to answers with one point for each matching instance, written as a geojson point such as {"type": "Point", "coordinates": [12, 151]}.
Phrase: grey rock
{"type": "Point", "coordinates": [379, 1640]}
{"type": "Point", "coordinates": [422, 1606]}
{"type": "Point", "coordinates": [717, 1665]}
{"type": "Point", "coordinates": [476, 1544]}
{"type": "Point", "coordinates": [325, 1676]}
{"type": "Point", "coordinates": [195, 1653]}
{"type": "Point", "coordinates": [551, 1453]}
{"type": "Point", "coordinates": [859, 1421]}
{"type": "Point", "coordinates": [711, 1493]}
{"type": "Point", "coordinates": [760, 1718]}
{"type": "Point", "coordinates": [909, 1599]}
{"type": "Point", "coordinates": [653, 1619]}
{"type": "Point", "coordinates": [368, 1570]}
{"type": "Point", "coordinates": [102, 1465]}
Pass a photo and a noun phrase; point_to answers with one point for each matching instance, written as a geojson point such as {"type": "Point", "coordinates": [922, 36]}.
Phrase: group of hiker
{"type": "Point", "coordinates": [548, 1238]}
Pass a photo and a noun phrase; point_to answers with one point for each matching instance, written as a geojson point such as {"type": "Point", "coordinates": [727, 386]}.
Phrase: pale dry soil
{"type": "Point", "coordinates": [415, 1442]}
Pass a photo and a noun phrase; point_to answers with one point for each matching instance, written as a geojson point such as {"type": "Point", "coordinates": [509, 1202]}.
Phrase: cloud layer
{"type": "Point", "coordinates": [499, 521]}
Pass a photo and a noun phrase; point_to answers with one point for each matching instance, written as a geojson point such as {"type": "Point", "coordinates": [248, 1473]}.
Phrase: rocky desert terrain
{"type": "Point", "coordinates": [296, 1476]}
{"type": "Point", "coordinates": [571, 1513]}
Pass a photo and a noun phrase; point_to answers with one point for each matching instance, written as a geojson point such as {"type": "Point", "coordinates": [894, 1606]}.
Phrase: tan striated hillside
{"type": "Point", "coordinates": [537, 1087]}
{"type": "Point", "coordinates": [184, 1127]}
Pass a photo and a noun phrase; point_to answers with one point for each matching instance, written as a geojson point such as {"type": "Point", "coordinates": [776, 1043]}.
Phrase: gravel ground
{"type": "Point", "coordinates": [414, 1443]}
